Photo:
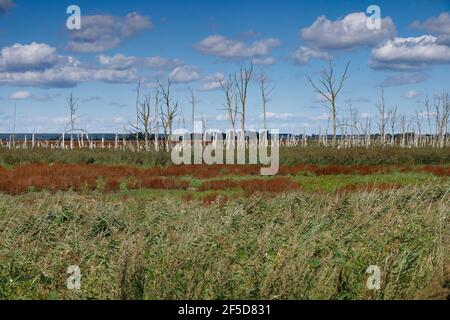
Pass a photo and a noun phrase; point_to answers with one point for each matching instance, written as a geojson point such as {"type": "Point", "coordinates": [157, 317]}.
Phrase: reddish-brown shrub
{"type": "Point", "coordinates": [346, 170]}
{"type": "Point", "coordinates": [439, 171]}
{"type": "Point", "coordinates": [112, 185]}
{"type": "Point", "coordinates": [79, 177]}
{"type": "Point", "coordinates": [188, 197]}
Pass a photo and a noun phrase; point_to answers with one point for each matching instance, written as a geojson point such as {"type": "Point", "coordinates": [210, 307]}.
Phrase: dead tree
{"type": "Point", "coordinates": [193, 101]}
{"type": "Point", "coordinates": [242, 80]}
{"type": "Point", "coordinates": [442, 115]}
{"type": "Point", "coordinates": [382, 118]}
{"type": "Point", "coordinates": [367, 130]}
{"type": "Point", "coordinates": [138, 99]}
{"type": "Point", "coordinates": [266, 91]}
{"type": "Point", "coordinates": [430, 127]}
{"type": "Point", "coordinates": [230, 101]}
{"type": "Point", "coordinates": [403, 126]}
{"type": "Point", "coordinates": [156, 120]}
{"type": "Point", "coordinates": [330, 90]}
{"type": "Point", "coordinates": [354, 128]}
{"type": "Point", "coordinates": [168, 112]}
{"type": "Point", "coordinates": [14, 126]}
{"type": "Point", "coordinates": [143, 120]}
{"type": "Point", "coordinates": [418, 135]}
{"type": "Point", "coordinates": [73, 108]}
{"type": "Point", "coordinates": [393, 118]}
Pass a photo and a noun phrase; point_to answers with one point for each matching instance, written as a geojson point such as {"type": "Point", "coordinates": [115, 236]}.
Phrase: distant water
{"type": "Point", "coordinates": [58, 136]}
{"type": "Point", "coordinates": [94, 136]}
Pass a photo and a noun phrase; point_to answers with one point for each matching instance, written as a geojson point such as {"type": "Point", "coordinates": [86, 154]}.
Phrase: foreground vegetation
{"type": "Point", "coordinates": [139, 228]}
{"type": "Point", "coordinates": [294, 246]}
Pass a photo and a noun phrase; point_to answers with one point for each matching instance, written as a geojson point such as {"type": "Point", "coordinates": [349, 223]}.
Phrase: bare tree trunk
{"type": "Point", "coordinates": [193, 102]}
{"type": "Point", "coordinates": [382, 118]}
{"type": "Point", "coordinates": [330, 91]}
{"type": "Point", "coordinates": [242, 81]}
{"type": "Point", "coordinates": [168, 114]}
{"type": "Point", "coordinates": [230, 99]}
{"type": "Point", "coordinates": [265, 94]}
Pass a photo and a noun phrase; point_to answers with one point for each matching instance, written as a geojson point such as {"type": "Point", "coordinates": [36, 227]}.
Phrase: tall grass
{"type": "Point", "coordinates": [293, 246]}
{"type": "Point", "coordinates": [288, 156]}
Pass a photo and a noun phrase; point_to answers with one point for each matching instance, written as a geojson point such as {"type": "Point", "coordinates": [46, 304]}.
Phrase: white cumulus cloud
{"type": "Point", "coordinates": [346, 33]}
{"type": "Point", "coordinates": [218, 45]}
{"type": "Point", "coordinates": [213, 82]}
{"type": "Point", "coordinates": [304, 54]}
{"type": "Point", "coordinates": [103, 32]}
{"type": "Point", "coordinates": [122, 62]}
{"type": "Point", "coordinates": [184, 74]}
{"type": "Point", "coordinates": [37, 64]}
{"type": "Point", "coordinates": [411, 53]}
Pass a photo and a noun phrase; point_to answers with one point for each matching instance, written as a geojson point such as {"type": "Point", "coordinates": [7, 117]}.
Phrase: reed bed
{"type": "Point", "coordinates": [292, 246]}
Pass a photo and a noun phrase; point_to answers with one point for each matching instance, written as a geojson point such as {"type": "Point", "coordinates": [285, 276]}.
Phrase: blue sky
{"type": "Point", "coordinates": [197, 42]}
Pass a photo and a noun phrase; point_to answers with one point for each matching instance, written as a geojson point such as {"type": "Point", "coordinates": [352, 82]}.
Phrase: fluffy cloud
{"type": "Point", "coordinates": [6, 5]}
{"type": "Point", "coordinates": [220, 46]}
{"type": "Point", "coordinates": [439, 24]}
{"type": "Point", "coordinates": [264, 61]}
{"type": "Point", "coordinates": [65, 77]}
{"type": "Point", "coordinates": [103, 32]}
{"type": "Point", "coordinates": [347, 33]}
{"type": "Point", "coordinates": [213, 82]}
{"type": "Point", "coordinates": [38, 65]}
{"type": "Point", "coordinates": [184, 74]}
{"type": "Point", "coordinates": [20, 95]}
{"type": "Point", "coordinates": [34, 56]}
{"type": "Point", "coordinates": [411, 94]}
{"type": "Point", "coordinates": [304, 54]}
{"type": "Point", "coordinates": [412, 53]}
{"type": "Point", "coordinates": [122, 62]}
{"type": "Point", "coordinates": [405, 78]}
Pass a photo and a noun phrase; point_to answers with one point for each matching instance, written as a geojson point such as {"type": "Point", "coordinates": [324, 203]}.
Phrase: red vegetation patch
{"type": "Point", "coordinates": [215, 198]}
{"type": "Point", "coordinates": [439, 171]}
{"type": "Point", "coordinates": [62, 177]}
{"type": "Point", "coordinates": [333, 170]}
{"type": "Point", "coordinates": [188, 197]}
{"type": "Point", "coordinates": [85, 177]}
{"type": "Point", "coordinates": [346, 170]}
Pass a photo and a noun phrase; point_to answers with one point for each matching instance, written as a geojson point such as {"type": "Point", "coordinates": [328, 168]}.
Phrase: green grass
{"type": "Point", "coordinates": [335, 182]}
{"type": "Point", "coordinates": [331, 183]}
{"type": "Point", "coordinates": [298, 246]}
{"type": "Point", "coordinates": [288, 156]}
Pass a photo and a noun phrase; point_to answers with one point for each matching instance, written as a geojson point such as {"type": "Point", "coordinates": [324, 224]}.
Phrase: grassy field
{"type": "Point", "coordinates": [293, 246]}
{"type": "Point", "coordinates": [141, 231]}
{"type": "Point", "coordinates": [288, 156]}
